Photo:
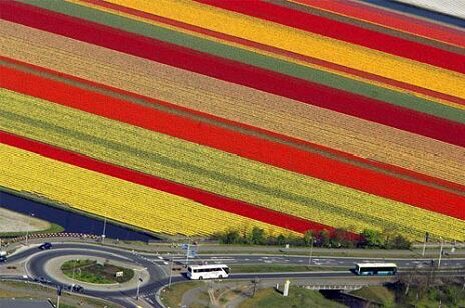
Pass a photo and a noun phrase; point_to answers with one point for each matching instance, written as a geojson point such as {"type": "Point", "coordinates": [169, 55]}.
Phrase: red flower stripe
{"type": "Point", "coordinates": [320, 148]}
{"type": "Point", "coordinates": [239, 73]}
{"type": "Point", "coordinates": [247, 146]}
{"type": "Point", "coordinates": [278, 51]}
{"type": "Point", "coordinates": [345, 32]}
{"type": "Point", "coordinates": [341, 155]}
{"type": "Point", "coordinates": [204, 197]}
{"type": "Point", "coordinates": [391, 20]}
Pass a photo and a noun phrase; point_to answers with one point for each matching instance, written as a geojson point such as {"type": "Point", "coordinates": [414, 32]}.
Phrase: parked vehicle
{"type": "Point", "coordinates": [2, 259]}
{"type": "Point", "coordinates": [45, 246]}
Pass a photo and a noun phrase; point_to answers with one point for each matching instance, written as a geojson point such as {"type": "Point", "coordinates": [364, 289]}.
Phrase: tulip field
{"type": "Point", "coordinates": [197, 117]}
{"type": "Point", "coordinates": [94, 193]}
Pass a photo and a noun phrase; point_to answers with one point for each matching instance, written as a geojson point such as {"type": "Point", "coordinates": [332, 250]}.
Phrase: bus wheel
{"type": "Point", "coordinates": [220, 277]}
{"type": "Point", "coordinates": [200, 277]}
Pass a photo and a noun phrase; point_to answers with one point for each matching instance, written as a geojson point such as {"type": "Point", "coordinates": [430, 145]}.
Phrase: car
{"type": "Point", "coordinates": [77, 288]}
{"type": "Point", "coordinates": [45, 246]}
{"type": "Point", "coordinates": [2, 258]}
{"type": "Point", "coordinates": [43, 280]}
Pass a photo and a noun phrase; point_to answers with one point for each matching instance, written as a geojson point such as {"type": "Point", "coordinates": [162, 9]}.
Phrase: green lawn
{"type": "Point", "coordinates": [298, 297]}
{"type": "Point", "coordinates": [378, 294]}
{"type": "Point", "coordinates": [171, 297]}
{"type": "Point", "coordinates": [90, 271]}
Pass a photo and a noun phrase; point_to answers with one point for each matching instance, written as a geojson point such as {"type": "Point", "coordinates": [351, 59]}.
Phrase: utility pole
{"type": "Point", "coordinates": [440, 252]}
{"type": "Point", "coordinates": [311, 253]}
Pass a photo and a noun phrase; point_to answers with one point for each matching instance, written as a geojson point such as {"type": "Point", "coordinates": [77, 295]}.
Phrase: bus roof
{"type": "Point", "coordinates": [207, 266]}
{"type": "Point", "coordinates": [376, 264]}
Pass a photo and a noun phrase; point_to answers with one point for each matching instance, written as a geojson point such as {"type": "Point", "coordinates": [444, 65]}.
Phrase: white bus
{"type": "Point", "coordinates": [380, 269]}
{"type": "Point", "coordinates": [207, 271]}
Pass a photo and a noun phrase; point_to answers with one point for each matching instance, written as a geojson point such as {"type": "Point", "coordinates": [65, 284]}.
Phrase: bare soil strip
{"type": "Point", "coordinates": [15, 222]}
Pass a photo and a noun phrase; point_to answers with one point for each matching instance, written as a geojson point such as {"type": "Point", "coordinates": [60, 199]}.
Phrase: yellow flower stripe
{"type": "Point", "coordinates": [116, 199]}
{"type": "Point", "coordinates": [271, 54]}
{"type": "Point", "coordinates": [305, 43]}
{"type": "Point", "coordinates": [219, 172]}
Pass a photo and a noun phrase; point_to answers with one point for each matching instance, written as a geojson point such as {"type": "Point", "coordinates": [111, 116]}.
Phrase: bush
{"type": "Point", "coordinates": [338, 238]}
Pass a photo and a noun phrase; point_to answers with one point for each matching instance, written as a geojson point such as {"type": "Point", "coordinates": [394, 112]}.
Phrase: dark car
{"type": "Point", "coordinates": [77, 288]}
{"type": "Point", "coordinates": [2, 258]}
{"type": "Point", "coordinates": [45, 246]}
{"type": "Point", "coordinates": [43, 280]}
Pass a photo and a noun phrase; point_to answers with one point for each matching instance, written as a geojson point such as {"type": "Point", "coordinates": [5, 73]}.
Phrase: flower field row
{"type": "Point", "coordinates": [216, 171]}
{"type": "Point", "coordinates": [113, 198]}
{"type": "Point", "coordinates": [246, 146]}
{"type": "Point", "coordinates": [277, 114]}
{"type": "Point", "coordinates": [264, 80]}
{"type": "Point", "coordinates": [205, 198]}
{"type": "Point", "coordinates": [308, 44]}
{"type": "Point", "coordinates": [287, 115]}
{"type": "Point", "coordinates": [390, 20]}
{"type": "Point", "coordinates": [343, 31]}
{"type": "Point", "coordinates": [296, 68]}
{"type": "Point", "coordinates": [271, 58]}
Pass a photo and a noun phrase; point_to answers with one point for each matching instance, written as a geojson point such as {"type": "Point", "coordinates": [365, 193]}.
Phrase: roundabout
{"type": "Point", "coordinates": [45, 267]}
{"type": "Point", "coordinates": [95, 271]}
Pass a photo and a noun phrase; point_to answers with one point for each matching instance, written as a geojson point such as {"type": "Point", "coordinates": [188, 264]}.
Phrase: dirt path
{"type": "Point", "coordinates": [15, 222]}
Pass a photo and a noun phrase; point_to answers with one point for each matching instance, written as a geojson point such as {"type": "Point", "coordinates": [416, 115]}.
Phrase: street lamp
{"type": "Point", "coordinates": [104, 228]}
{"type": "Point", "coordinates": [74, 266]}
{"type": "Point", "coordinates": [27, 228]}
{"type": "Point", "coordinates": [311, 253]}
{"type": "Point", "coordinates": [139, 280]}
{"type": "Point", "coordinates": [440, 252]}
{"type": "Point", "coordinates": [171, 272]}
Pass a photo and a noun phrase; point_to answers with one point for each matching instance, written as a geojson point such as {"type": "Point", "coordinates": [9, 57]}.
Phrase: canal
{"type": "Point", "coordinates": [72, 222]}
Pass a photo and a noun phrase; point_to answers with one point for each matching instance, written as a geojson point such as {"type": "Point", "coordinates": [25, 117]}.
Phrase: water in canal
{"type": "Point", "coordinates": [72, 222]}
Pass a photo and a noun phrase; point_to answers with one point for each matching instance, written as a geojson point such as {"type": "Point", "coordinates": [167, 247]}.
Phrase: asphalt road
{"type": "Point", "coordinates": [158, 277]}
{"type": "Point", "coordinates": [347, 262]}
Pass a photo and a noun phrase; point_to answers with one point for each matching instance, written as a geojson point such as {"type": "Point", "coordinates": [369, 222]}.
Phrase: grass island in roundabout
{"type": "Point", "coordinates": [96, 272]}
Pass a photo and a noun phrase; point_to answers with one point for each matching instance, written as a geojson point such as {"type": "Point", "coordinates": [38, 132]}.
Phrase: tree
{"type": "Point", "coordinates": [258, 236]}
{"type": "Point", "coordinates": [371, 238]}
{"type": "Point", "coordinates": [231, 237]}
{"type": "Point", "coordinates": [308, 237]}
{"type": "Point", "coordinates": [399, 242]}
{"type": "Point", "coordinates": [323, 238]}
{"type": "Point", "coordinates": [281, 240]}
{"type": "Point", "coordinates": [340, 237]}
